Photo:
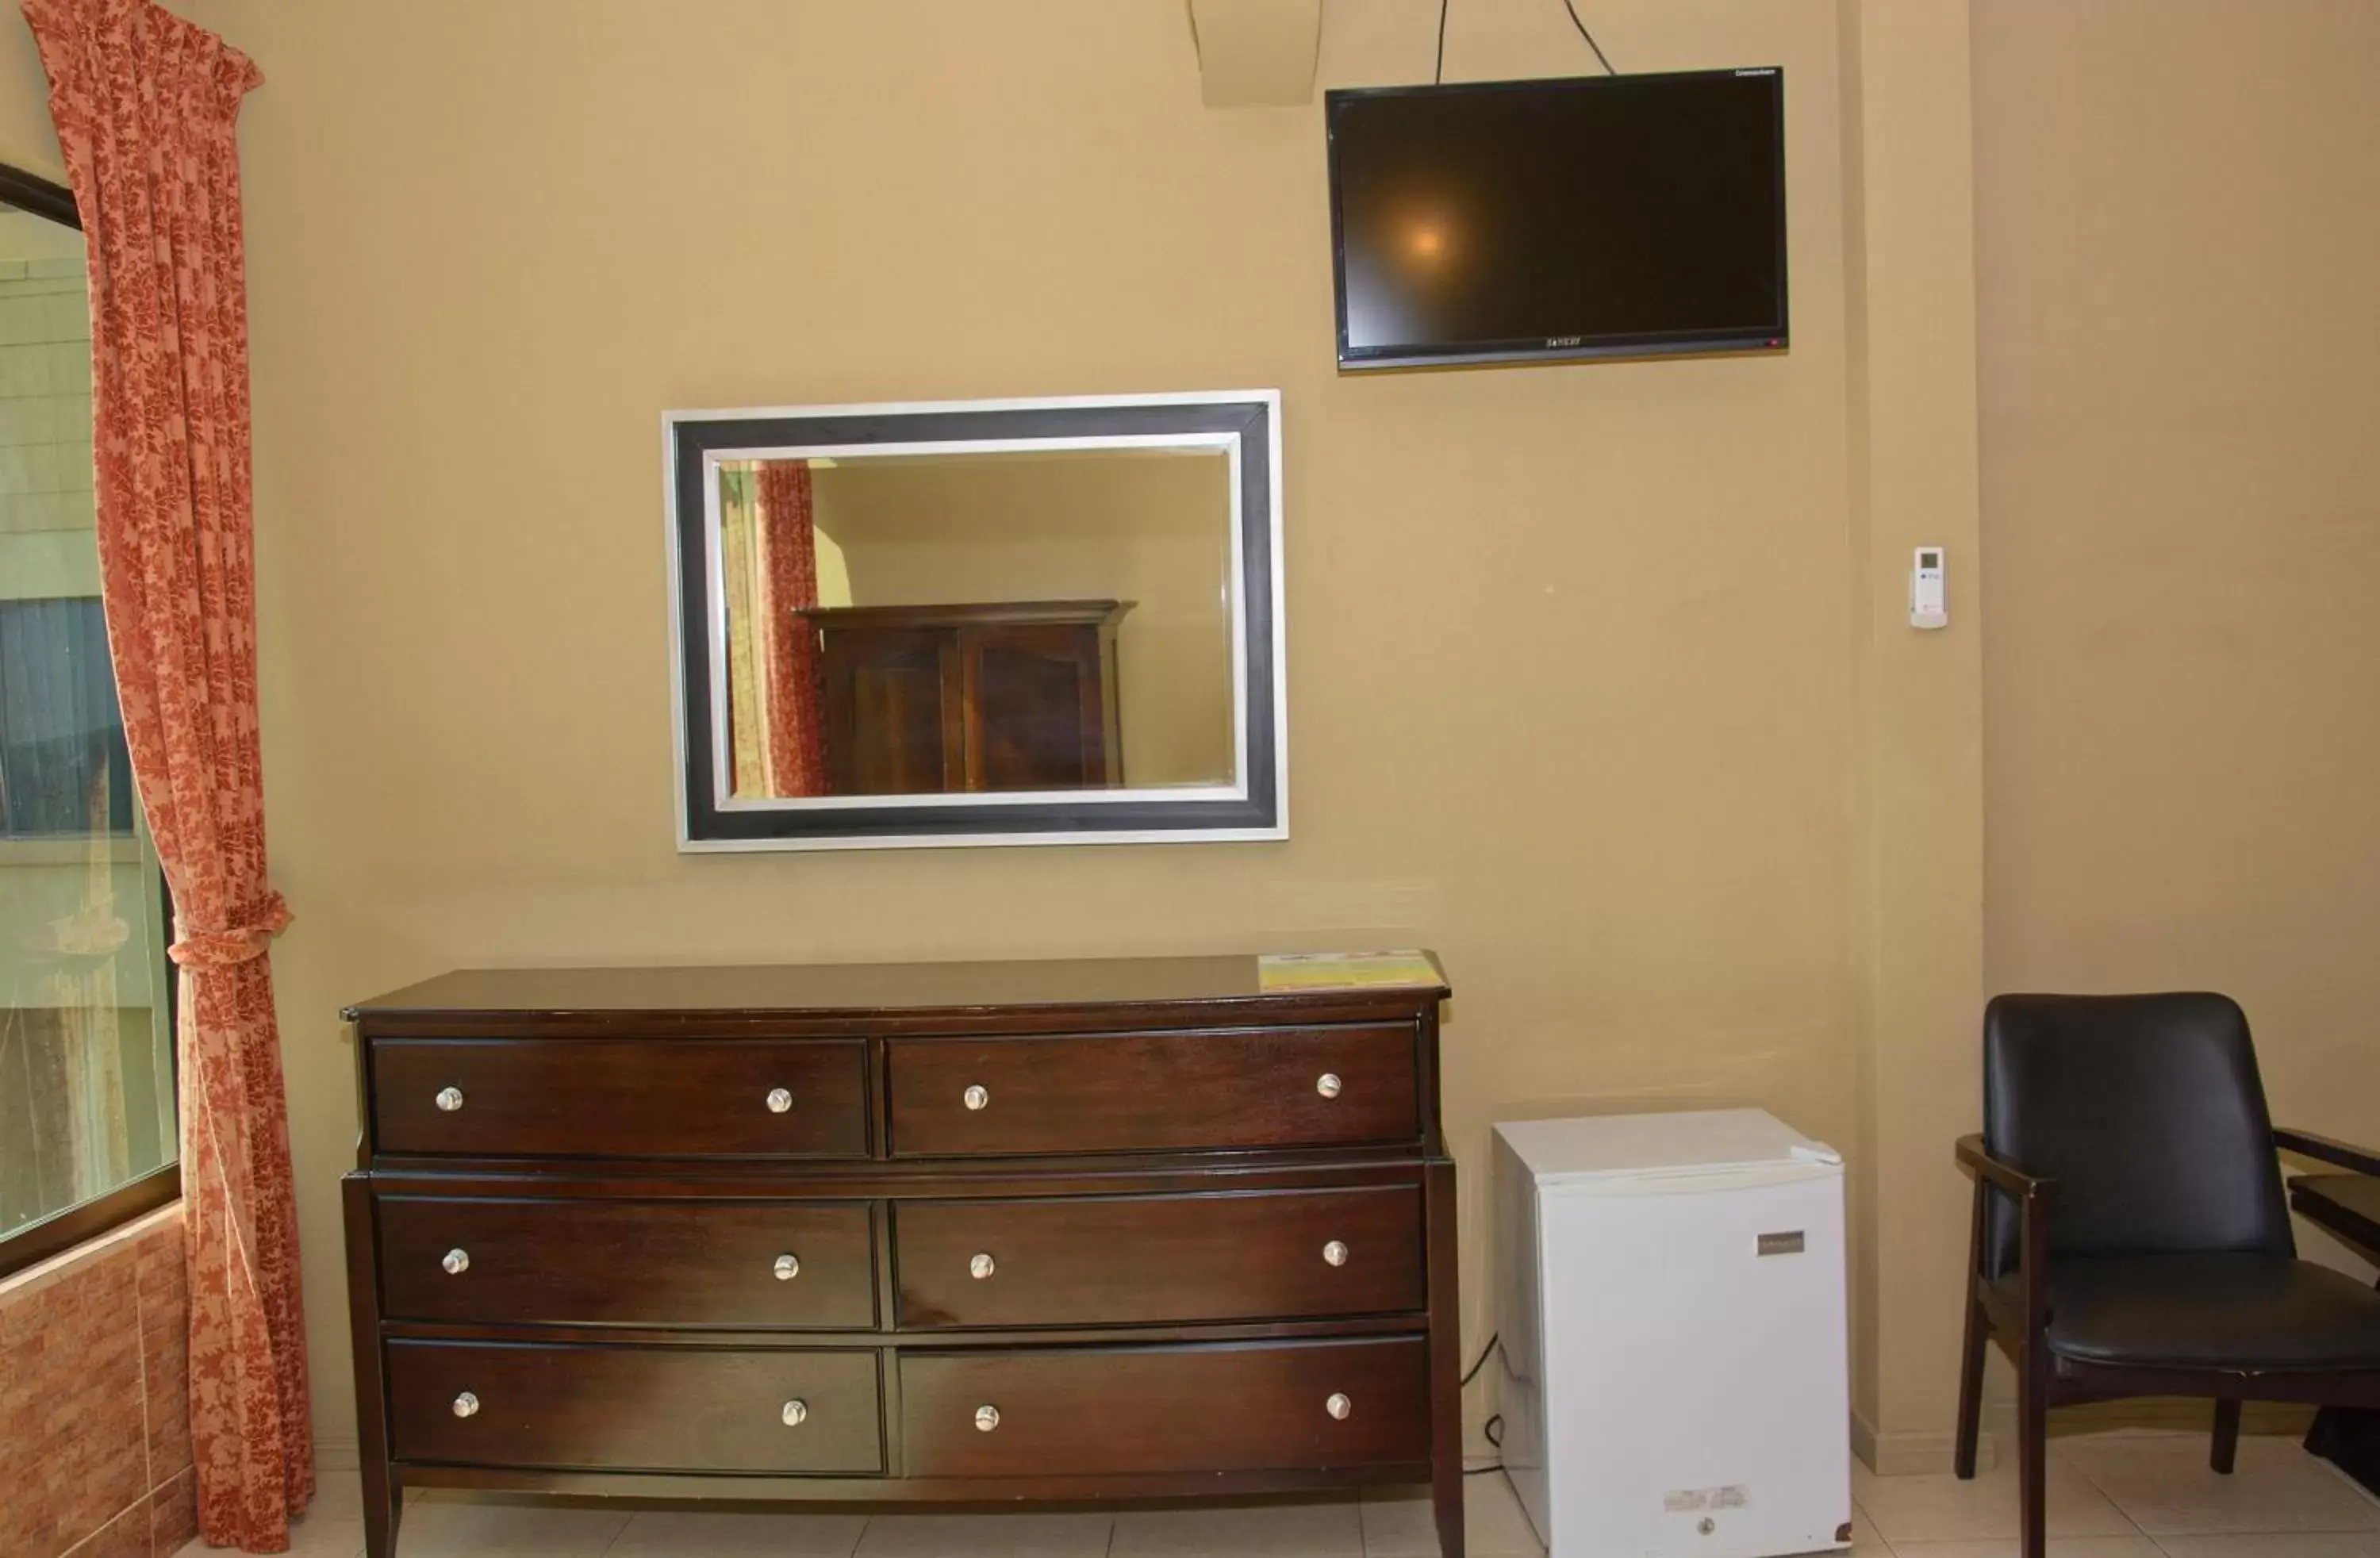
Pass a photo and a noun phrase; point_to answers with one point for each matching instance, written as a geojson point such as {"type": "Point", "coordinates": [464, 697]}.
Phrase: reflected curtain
{"type": "Point", "coordinates": [147, 109]}
{"type": "Point", "coordinates": [746, 712]}
{"type": "Point", "coordinates": [788, 582]}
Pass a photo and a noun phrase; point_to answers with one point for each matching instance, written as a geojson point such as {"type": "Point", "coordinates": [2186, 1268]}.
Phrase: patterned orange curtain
{"type": "Point", "coordinates": [789, 582]}
{"type": "Point", "coordinates": [147, 107]}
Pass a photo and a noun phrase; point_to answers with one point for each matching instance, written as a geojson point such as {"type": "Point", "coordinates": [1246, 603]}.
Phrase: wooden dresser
{"type": "Point", "coordinates": [952, 1232]}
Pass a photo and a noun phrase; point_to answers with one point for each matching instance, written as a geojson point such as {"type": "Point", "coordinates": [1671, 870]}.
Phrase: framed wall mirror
{"type": "Point", "coordinates": [979, 622]}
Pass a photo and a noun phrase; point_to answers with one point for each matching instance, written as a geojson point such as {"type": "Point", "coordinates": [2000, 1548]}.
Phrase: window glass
{"type": "Point", "coordinates": [86, 1036]}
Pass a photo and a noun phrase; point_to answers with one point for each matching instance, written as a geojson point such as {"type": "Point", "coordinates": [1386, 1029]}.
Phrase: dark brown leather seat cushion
{"type": "Point", "coordinates": [2148, 1111]}
{"type": "Point", "coordinates": [2347, 1204]}
{"type": "Point", "coordinates": [2229, 1312]}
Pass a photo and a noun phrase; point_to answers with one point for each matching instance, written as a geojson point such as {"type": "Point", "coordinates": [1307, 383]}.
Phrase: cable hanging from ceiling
{"type": "Point", "coordinates": [1437, 74]}
{"type": "Point", "coordinates": [1589, 37]}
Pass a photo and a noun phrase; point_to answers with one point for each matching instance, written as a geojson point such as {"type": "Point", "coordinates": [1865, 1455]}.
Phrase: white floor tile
{"type": "Point", "coordinates": [338, 1495]}
{"type": "Point", "coordinates": [311, 1536]}
{"type": "Point", "coordinates": [1022, 1534]}
{"type": "Point", "coordinates": [655, 1533]}
{"type": "Point", "coordinates": [1937, 1507]}
{"type": "Point", "coordinates": [1401, 1522]}
{"type": "Point", "coordinates": [451, 1525]}
{"type": "Point", "coordinates": [1332, 1528]}
{"type": "Point", "coordinates": [323, 1538]}
{"type": "Point", "coordinates": [2353, 1544]}
{"type": "Point", "coordinates": [1493, 1522]}
{"type": "Point", "coordinates": [2059, 1547]}
{"type": "Point", "coordinates": [2162, 1483]}
{"type": "Point", "coordinates": [2280, 1504]}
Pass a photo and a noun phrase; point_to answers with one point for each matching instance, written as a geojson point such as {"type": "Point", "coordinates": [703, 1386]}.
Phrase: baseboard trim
{"type": "Point", "coordinates": [337, 1455]}
{"type": "Point", "coordinates": [2156, 1415]}
{"type": "Point", "coordinates": [1905, 1453]}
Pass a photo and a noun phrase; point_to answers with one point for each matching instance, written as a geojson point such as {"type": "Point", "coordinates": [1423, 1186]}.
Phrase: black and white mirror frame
{"type": "Point", "coordinates": [1255, 805]}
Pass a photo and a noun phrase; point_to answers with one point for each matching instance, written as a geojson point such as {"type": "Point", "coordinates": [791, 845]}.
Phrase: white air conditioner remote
{"type": "Point", "coordinates": [1927, 601]}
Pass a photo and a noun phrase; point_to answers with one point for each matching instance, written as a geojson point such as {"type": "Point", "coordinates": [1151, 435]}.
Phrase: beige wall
{"type": "Point", "coordinates": [2178, 203]}
{"type": "Point", "coordinates": [1595, 755]}
{"type": "Point", "coordinates": [1590, 681]}
{"type": "Point", "coordinates": [1154, 529]}
{"type": "Point", "coordinates": [1917, 769]}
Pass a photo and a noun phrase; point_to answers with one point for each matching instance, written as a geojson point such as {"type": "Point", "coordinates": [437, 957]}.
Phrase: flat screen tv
{"type": "Point", "coordinates": [1596, 216]}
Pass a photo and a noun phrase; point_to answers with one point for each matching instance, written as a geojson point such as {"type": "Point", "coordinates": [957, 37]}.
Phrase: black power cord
{"type": "Point", "coordinates": [1473, 1373]}
{"type": "Point", "coordinates": [1588, 36]}
{"type": "Point", "coordinates": [1437, 75]}
{"type": "Point", "coordinates": [1493, 1426]}
{"type": "Point", "coordinates": [1574, 21]}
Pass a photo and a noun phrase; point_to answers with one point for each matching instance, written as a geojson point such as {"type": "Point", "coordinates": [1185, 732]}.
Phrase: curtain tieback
{"type": "Point", "coordinates": [233, 945]}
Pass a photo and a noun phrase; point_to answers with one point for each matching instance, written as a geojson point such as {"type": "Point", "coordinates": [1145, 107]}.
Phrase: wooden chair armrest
{"type": "Point", "coordinates": [2308, 1145]}
{"type": "Point", "coordinates": [2005, 1174]}
{"type": "Point", "coordinates": [2035, 1197]}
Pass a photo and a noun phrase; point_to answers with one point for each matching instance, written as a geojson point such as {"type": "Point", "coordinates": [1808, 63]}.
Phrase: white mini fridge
{"type": "Point", "coordinates": [1672, 1371]}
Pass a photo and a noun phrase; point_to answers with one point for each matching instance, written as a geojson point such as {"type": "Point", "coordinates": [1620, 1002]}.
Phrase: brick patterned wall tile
{"type": "Point", "coordinates": [127, 1536]}
{"type": "Point", "coordinates": [174, 1514]}
{"type": "Point", "coordinates": [164, 1348]}
{"type": "Point", "coordinates": [73, 1431]}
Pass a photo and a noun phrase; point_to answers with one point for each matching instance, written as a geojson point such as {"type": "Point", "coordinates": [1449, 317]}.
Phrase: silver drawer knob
{"type": "Point", "coordinates": [986, 1418]}
{"type": "Point", "coordinates": [1338, 1405]}
{"type": "Point", "coordinates": [1334, 1253]}
{"type": "Point", "coordinates": [467, 1404]}
{"type": "Point", "coordinates": [786, 1269]}
{"type": "Point", "coordinates": [457, 1262]}
{"type": "Point", "coordinates": [975, 1097]}
{"type": "Point", "coordinates": [779, 1101]}
{"type": "Point", "coordinates": [1328, 1084]}
{"type": "Point", "coordinates": [979, 1266]}
{"type": "Point", "coordinates": [450, 1099]}
{"type": "Point", "coordinates": [796, 1413]}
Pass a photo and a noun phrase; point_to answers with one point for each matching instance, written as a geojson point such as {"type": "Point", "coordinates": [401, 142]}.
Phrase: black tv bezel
{"type": "Point", "coordinates": [1677, 343]}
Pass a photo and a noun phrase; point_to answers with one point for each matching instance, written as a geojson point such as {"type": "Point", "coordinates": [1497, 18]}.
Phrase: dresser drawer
{"type": "Point", "coordinates": [1129, 1092]}
{"type": "Point", "coordinates": [678, 1262]}
{"type": "Point", "coordinates": [634, 1408]}
{"type": "Point", "coordinates": [1220, 1408]}
{"type": "Point", "coordinates": [1155, 1260]}
{"type": "Point", "coordinates": [621, 1098]}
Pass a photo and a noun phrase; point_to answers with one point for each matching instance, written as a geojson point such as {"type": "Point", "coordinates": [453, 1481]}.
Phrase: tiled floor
{"type": "Point", "coordinates": [2111, 1496]}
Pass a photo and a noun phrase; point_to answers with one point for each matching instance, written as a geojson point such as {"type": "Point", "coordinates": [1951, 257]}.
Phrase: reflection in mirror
{"type": "Point", "coordinates": [976, 621]}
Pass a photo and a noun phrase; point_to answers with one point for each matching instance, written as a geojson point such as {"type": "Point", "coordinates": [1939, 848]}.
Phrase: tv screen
{"type": "Point", "coordinates": [1599, 216]}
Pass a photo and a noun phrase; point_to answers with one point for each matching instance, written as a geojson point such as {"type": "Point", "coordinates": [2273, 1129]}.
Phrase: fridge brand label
{"type": "Point", "coordinates": [1690, 1501]}
{"type": "Point", "coordinates": [1781, 1244]}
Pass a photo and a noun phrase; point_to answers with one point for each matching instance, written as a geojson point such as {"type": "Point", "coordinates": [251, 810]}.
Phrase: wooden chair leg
{"type": "Point", "coordinates": [1977, 1339]}
{"type": "Point", "coordinates": [1971, 1387]}
{"type": "Point", "coordinates": [2032, 1452]}
{"type": "Point", "coordinates": [2227, 1437]}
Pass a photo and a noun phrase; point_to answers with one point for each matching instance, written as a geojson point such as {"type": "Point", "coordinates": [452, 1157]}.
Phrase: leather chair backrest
{"type": "Point", "coordinates": [2148, 1111]}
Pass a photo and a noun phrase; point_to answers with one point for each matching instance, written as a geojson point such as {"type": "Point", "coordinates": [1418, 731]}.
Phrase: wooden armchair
{"type": "Point", "coordinates": [2346, 1206]}
{"type": "Point", "coordinates": [2129, 1235]}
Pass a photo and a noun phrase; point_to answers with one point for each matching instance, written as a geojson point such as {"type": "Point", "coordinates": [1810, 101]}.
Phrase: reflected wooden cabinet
{"type": "Point", "coordinates": [1017, 695]}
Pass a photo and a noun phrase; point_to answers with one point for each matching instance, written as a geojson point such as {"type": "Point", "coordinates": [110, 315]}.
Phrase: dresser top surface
{"type": "Point", "coordinates": [863, 988]}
